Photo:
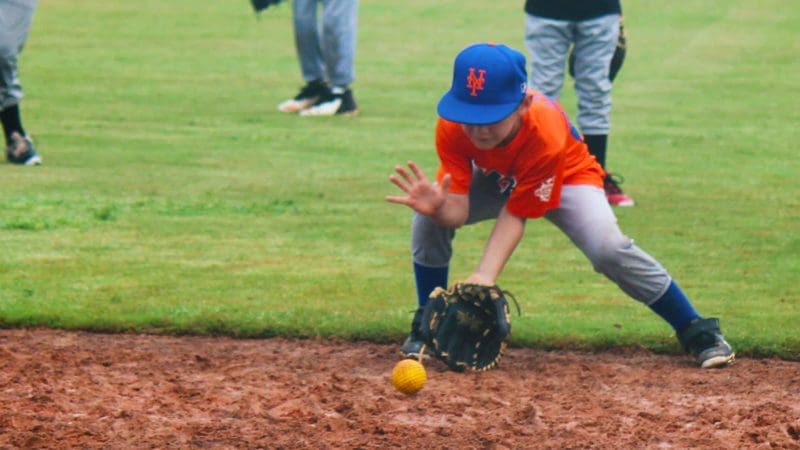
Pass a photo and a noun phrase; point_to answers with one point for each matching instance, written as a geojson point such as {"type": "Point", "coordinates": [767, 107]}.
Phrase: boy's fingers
{"type": "Point", "coordinates": [417, 171]}
{"type": "Point", "coordinates": [398, 183]}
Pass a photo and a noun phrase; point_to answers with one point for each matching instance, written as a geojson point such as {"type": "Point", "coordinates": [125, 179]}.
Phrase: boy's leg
{"type": "Point", "coordinates": [431, 248]}
{"type": "Point", "coordinates": [588, 220]}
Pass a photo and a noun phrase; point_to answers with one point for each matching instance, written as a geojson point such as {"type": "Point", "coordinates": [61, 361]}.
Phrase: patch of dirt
{"type": "Point", "coordinates": [66, 390]}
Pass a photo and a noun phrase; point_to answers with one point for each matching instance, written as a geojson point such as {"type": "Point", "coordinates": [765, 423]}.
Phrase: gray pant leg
{"type": "Point", "coordinates": [339, 26]}
{"type": "Point", "coordinates": [595, 42]}
{"type": "Point", "coordinates": [587, 219]}
{"type": "Point", "coordinates": [548, 43]}
{"type": "Point", "coordinates": [431, 244]}
{"type": "Point", "coordinates": [15, 22]}
{"type": "Point", "coordinates": [307, 40]}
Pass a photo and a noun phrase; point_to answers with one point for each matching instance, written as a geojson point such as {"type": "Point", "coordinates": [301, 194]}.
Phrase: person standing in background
{"type": "Point", "coordinates": [15, 22]}
{"type": "Point", "coordinates": [591, 30]}
{"type": "Point", "coordinates": [326, 48]}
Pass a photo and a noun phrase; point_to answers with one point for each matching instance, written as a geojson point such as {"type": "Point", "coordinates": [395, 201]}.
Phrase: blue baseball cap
{"type": "Point", "coordinates": [489, 82]}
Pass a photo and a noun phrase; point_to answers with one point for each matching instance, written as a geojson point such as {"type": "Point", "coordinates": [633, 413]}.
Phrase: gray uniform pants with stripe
{"type": "Point", "coordinates": [326, 46]}
{"type": "Point", "coordinates": [548, 42]}
{"type": "Point", "coordinates": [15, 21]}
{"type": "Point", "coordinates": [584, 216]}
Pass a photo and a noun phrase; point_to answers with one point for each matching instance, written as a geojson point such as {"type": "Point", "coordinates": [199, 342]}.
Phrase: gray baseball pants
{"type": "Point", "coordinates": [584, 215]}
{"type": "Point", "coordinates": [548, 42]}
{"type": "Point", "coordinates": [326, 47]}
{"type": "Point", "coordinates": [15, 22]}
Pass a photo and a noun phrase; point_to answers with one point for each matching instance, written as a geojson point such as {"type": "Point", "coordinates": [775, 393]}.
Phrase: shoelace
{"type": "Point", "coordinates": [509, 294]}
{"type": "Point", "coordinates": [612, 182]}
{"type": "Point", "coordinates": [309, 90]}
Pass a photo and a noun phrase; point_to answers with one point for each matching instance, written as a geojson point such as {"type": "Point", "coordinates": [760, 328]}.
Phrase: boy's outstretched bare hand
{"type": "Point", "coordinates": [422, 196]}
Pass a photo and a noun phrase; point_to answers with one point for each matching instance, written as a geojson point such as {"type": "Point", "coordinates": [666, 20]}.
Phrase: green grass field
{"type": "Point", "coordinates": [176, 199]}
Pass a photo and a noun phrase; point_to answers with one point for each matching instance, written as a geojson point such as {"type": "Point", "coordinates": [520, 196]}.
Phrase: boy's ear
{"type": "Point", "coordinates": [527, 101]}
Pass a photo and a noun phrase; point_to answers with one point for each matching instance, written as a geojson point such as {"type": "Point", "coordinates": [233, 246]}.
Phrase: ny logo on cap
{"type": "Point", "coordinates": [475, 83]}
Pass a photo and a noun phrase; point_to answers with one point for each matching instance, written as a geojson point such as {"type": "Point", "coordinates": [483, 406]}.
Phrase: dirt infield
{"type": "Point", "coordinates": [66, 390]}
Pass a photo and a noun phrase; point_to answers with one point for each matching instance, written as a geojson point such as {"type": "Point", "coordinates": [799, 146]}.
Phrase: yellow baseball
{"type": "Point", "coordinates": [409, 376]}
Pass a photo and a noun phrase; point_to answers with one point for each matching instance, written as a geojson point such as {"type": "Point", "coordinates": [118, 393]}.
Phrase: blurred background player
{"type": "Point", "coordinates": [590, 29]}
{"type": "Point", "coordinates": [509, 153]}
{"type": "Point", "coordinates": [15, 22]}
{"type": "Point", "coordinates": [326, 48]}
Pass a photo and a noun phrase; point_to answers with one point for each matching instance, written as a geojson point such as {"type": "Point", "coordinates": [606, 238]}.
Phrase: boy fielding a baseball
{"type": "Point", "coordinates": [509, 153]}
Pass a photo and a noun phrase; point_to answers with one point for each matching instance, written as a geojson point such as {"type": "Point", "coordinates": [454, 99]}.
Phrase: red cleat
{"type": "Point", "coordinates": [614, 193]}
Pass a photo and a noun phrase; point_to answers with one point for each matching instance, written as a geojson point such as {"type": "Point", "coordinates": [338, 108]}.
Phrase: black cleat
{"type": "Point", "coordinates": [309, 94]}
{"type": "Point", "coordinates": [414, 344]}
{"type": "Point", "coordinates": [704, 340]}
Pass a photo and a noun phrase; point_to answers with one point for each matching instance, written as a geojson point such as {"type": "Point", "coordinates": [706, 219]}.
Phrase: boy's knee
{"type": "Point", "coordinates": [609, 255]}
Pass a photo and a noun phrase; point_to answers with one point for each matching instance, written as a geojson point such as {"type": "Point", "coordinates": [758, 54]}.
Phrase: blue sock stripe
{"type": "Point", "coordinates": [428, 278]}
{"type": "Point", "coordinates": [675, 308]}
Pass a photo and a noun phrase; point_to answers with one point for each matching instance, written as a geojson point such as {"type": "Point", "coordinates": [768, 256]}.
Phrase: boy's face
{"type": "Point", "coordinates": [498, 134]}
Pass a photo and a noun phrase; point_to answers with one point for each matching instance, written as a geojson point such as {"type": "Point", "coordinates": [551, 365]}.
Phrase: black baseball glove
{"type": "Point", "coordinates": [467, 325]}
{"type": "Point", "coordinates": [260, 5]}
{"type": "Point", "coordinates": [616, 60]}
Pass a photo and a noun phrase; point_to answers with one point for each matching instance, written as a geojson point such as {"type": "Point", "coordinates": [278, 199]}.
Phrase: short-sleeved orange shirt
{"type": "Point", "coordinates": [546, 154]}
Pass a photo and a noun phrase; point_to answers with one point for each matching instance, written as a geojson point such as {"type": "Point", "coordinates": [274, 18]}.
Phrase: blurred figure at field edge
{"type": "Point", "coordinates": [591, 33]}
{"type": "Point", "coordinates": [326, 47]}
{"type": "Point", "coordinates": [15, 22]}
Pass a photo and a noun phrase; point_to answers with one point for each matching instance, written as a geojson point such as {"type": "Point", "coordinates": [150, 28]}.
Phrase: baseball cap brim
{"type": "Point", "coordinates": [455, 110]}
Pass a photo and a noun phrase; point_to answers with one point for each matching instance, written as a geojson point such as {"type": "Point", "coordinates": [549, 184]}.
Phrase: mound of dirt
{"type": "Point", "coordinates": [66, 390]}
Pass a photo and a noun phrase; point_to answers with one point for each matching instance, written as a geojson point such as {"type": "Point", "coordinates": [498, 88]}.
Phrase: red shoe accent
{"type": "Point", "coordinates": [614, 193]}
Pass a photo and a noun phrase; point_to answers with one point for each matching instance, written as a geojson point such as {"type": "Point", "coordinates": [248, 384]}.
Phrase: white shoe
{"type": "Point", "coordinates": [21, 151]}
{"type": "Point", "coordinates": [309, 94]}
{"type": "Point", "coordinates": [337, 102]}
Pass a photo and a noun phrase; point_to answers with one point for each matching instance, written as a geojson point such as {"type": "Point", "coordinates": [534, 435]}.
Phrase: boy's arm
{"type": "Point", "coordinates": [505, 236]}
{"type": "Point", "coordinates": [427, 198]}
{"type": "Point", "coordinates": [454, 212]}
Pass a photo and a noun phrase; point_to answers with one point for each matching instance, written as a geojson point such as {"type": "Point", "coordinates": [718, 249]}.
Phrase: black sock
{"type": "Point", "coordinates": [11, 121]}
{"type": "Point", "coordinates": [597, 146]}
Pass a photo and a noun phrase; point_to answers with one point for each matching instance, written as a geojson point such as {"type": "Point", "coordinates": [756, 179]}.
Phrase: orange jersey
{"type": "Point", "coordinates": [546, 154]}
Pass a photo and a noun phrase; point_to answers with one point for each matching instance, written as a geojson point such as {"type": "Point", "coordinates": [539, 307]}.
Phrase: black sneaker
{"type": "Point", "coordinates": [704, 340]}
{"type": "Point", "coordinates": [414, 343]}
{"type": "Point", "coordinates": [614, 193]}
{"type": "Point", "coordinates": [333, 103]}
{"type": "Point", "coordinates": [309, 94]}
{"type": "Point", "coordinates": [21, 151]}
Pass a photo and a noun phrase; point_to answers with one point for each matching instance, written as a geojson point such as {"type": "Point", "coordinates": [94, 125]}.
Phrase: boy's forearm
{"type": "Point", "coordinates": [454, 212]}
{"type": "Point", "coordinates": [502, 242]}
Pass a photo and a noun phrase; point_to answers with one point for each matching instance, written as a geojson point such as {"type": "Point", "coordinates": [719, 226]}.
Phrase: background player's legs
{"type": "Point", "coordinates": [15, 22]}
{"type": "Point", "coordinates": [595, 43]}
{"type": "Point", "coordinates": [309, 55]}
{"type": "Point", "coordinates": [307, 40]}
{"type": "Point", "coordinates": [339, 27]}
{"type": "Point", "coordinates": [548, 42]}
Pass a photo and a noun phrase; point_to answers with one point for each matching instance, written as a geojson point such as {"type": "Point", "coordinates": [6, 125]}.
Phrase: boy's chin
{"type": "Point", "coordinates": [484, 145]}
